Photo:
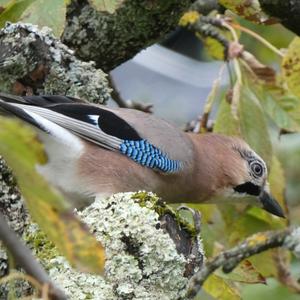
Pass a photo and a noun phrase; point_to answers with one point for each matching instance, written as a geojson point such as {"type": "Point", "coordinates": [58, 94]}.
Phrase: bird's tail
{"type": "Point", "coordinates": [16, 105]}
{"type": "Point", "coordinates": [9, 106]}
{"type": "Point", "coordinates": [42, 100]}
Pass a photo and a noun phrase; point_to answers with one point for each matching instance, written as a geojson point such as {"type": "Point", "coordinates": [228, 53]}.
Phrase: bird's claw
{"type": "Point", "coordinates": [196, 217]}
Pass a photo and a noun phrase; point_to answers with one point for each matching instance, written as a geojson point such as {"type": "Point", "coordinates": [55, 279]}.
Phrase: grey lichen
{"type": "Point", "coordinates": [110, 39]}
{"type": "Point", "coordinates": [292, 242]}
{"type": "Point", "coordinates": [11, 204]}
{"type": "Point", "coordinates": [35, 60]}
{"type": "Point", "coordinates": [13, 209]}
{"type": "Point", "coordinates": [141, 259]}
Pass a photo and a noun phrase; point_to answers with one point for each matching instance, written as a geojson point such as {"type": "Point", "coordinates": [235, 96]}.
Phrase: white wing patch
{"type": "Point", "coordinates": [94, 119]}
{"type": "Point", "coordinates": [63, 149]}
{"type": "Point", "coordinates": [62, 135]}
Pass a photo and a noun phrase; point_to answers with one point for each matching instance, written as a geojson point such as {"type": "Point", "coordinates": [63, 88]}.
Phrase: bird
{"type": "Point", "coordinates": [94, 150]}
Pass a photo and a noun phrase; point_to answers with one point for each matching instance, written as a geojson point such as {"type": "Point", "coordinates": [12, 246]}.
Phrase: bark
{"type": "Point", "coordinates": [111, 39]}
{"type": "Point", "coordinates": [150, 254]}
{"type": "Point", "coordinates": [288, 238]}
{"type": "Point", "coordinates": [34, 62]}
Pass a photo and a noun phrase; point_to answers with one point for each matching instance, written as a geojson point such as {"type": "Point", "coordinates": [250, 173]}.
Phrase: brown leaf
{"type": "Point", "coordinates": [245, 272]}
{"type": "Point", "coordinates": [262, 72]}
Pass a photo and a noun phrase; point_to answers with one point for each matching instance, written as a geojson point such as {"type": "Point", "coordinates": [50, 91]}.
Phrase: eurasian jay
{"type": "Point", "coordinates": [94, 150]}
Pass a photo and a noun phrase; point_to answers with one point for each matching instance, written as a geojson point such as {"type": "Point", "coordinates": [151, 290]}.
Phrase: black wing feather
{"type": "Point", "coordinates": [46, 100]}
{"type": "Point", "coordinates": [108, 122]}
{"type": "Point", "coordinates": [21, 114]}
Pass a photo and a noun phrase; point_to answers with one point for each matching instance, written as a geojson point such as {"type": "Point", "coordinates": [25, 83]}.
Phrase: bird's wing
{"type": "Point", "coordinates": [122, 131]}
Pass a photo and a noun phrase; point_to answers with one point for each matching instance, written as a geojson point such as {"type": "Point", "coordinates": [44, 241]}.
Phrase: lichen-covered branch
{"type": "Point", "coordinates": [288, 238]}
{"type": "Point", "coordinates": [116, 96]}
{"type": "Point", "coordinates": [24, 258]}
{"type": "Point", "coordinates": [34, 62]}
{"type": "Point", "coordinates": [12, 207]}
{"type": "Point", "coordinates": [111, 39]}
{"type": "Point", "coordinates": [150, 251]}
{"type": "Point", "coordinates": [206, 6]}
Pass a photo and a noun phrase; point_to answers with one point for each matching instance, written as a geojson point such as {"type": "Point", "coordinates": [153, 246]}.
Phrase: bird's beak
{"type": "Point", "coordinates": [270, 204]}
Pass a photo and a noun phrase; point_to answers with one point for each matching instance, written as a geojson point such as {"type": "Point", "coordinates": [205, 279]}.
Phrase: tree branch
{"type": "Point", "coordinates": [206, 6]}
{"type": "Point", "coordinates": [24, 258]}
{"type": "Point", "coordinates": [111, 39]}
{"type": "Point", "coordinates": [34, 62]}
{"type": "Point", "coordinates": [116, 96]}
{"type": "Point", "coordinates": [257, 243]}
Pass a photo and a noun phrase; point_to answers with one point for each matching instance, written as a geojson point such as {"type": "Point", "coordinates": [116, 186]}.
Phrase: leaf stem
{"type": "Point", "coordinates": [210, 100]}
{"type": "Point", "coordinates": [235, 60]}
{"type": "Point", "coordinates": [259, 38]}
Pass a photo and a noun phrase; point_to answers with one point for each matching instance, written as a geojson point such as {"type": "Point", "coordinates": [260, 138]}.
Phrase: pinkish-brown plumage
{"type": "Point", "coordinates": [94, 150]}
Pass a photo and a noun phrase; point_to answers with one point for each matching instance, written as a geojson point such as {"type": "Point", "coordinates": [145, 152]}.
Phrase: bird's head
{"type": "Point", "coordinates": [232, 168]}
{"type": "Point", "coordinates": [252, 179]}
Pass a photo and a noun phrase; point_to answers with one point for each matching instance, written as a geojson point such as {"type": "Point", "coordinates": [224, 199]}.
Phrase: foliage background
{"type": "Point", "coordinates": [258, 110]}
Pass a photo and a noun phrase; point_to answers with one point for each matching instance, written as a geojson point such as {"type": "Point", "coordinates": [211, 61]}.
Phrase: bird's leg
{"type": "Point", "coordinates": [196, 217]}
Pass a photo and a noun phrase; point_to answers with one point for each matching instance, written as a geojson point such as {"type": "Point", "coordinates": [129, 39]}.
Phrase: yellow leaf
{"type": "Point", "coordinates": [291, 66]}
{"type": "Point", "coordinates": [46, 13]}
{"type": "Point", "coordinates": [21, 149]}
{"type": "Point", "coordinates": [189, 17]}
{"type": "Point", "coordinates": [245, 272]}
{"type": "Point", "coordinates": [215, 49]}
{"type": "Point", "coordinates": [11, 10]}
{"type": "Point", "coordinates": [220, 288]}
{"type": "Point", "coordinates": [109, 6]}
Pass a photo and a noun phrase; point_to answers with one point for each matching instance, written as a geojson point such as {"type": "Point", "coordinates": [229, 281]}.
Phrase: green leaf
{"type": "Point", "coordinates": [225, 122]}
{"type": "Point", "coordinates": [47, 13]}
{"type": "Point", "coordinates": [221, 288]}
{"type": "Point", "coordinates": [12, 10]}
{"type": "Point", "coordinates": [21, 149]}
{"type": "Point", "coordinates": [109, 6]}
{"type": "Point", "coordinates": [4, 2]}
{"type": "Point", "coordinates": [280, 112]}
{"type": "Point", "coordinates": [291, 66]}
{"type": "Point", "coordinates": [277, 185]}
{"type": "Point", "coordinates": [212, 226]}
{"type": "Point", "coordinates": [254, 126]}
{"type": "Point", "coordinates": [264, 263]}
{"type": "Point", "coordinates": [251, 123]}
{"type": "Point", "coordinates": [245, 272]}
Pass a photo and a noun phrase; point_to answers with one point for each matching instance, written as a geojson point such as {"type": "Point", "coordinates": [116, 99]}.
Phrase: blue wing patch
{"type": "Point", "coordinates": [150, 156]}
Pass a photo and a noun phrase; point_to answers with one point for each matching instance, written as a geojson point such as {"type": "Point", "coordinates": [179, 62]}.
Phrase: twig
{"type": "Point", "coordinates": [25, 259]}
{"type": "Point", "coordinates": [229, 259]}
{"type": "Point", "coordinates": [210, 101]}
{"type": "Point", "coordinates": [259, 38]}
{"type": "Point", "coordinates": [116, 96]}
{"type": "Point", "coordinates": [284, 273]}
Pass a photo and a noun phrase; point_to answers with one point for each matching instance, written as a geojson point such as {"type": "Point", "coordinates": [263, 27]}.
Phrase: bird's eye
{"type": "Point", "coordinates": [257, 168]}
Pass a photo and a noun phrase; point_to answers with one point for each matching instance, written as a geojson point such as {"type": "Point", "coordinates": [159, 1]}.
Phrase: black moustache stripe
{"type": "Point", "coordinates": [248, 188]}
